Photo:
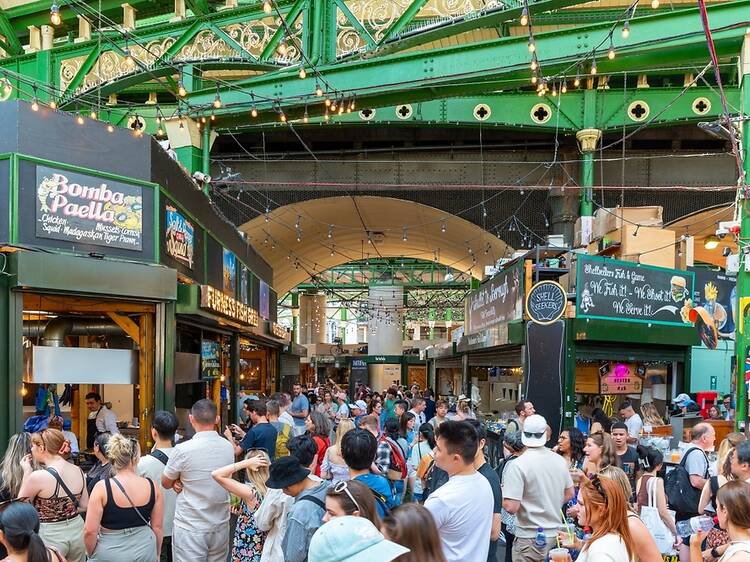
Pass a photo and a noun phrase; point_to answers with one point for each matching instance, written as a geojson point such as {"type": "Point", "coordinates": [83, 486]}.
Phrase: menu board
{"type": "Point", "coordinates": [497, 300]}
{"type": "Point", "coordinates": [88, 210]}
{"type": "Point", "coordinates": [210, 359]}
{"type": "Point", "coordinates": [630, 292]}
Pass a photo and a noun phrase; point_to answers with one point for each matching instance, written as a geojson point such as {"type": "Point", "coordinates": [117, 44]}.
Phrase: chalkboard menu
{"type": "Point", "coordinates": [627, 291]}
{"type": "Point", "coordinates": [210, 359]}
{"type": "Point", "coordinates": [497, 300]}
{"type": "Point", "coordinates": [545, 302]}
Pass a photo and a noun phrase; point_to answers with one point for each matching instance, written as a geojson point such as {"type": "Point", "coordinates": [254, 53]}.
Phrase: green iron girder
{"type": "Point", "coordinates": [525, 110]}
{"type": "Point", "coordinates": [655, 42]}
{"type": "Point", "coordinates": [11, 44]}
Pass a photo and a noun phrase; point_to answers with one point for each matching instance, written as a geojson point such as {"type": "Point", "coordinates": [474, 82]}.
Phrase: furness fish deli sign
{"type": "Point", "coordinates": [88, 210]}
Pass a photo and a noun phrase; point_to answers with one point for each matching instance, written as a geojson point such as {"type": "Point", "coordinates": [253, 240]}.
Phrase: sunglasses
{"type": "Point", "coordinates": [599, 488]}
{"type": "Point", "coordinates": [343, 486]}
{"type": "Point", "coordinates": [534, 435]}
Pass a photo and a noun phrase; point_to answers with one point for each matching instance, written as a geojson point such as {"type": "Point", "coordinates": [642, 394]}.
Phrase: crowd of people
{"type": "Point", "coordinates": [314, 477]}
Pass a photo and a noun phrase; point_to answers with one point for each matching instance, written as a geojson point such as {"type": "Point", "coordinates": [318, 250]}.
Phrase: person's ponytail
{"type": "Point", "coordinates": [37, 551]}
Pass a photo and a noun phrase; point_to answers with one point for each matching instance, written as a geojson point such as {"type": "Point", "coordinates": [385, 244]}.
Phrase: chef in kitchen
{"type": "Point", "coordinates": [101, 419]}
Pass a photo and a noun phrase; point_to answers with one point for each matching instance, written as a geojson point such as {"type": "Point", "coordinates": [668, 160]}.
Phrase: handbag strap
{"type": "Point", "coordinates": [127, 497]}
{"type": "Point", "coordinates": [63, 485]}
{"type": "Point", "coordinates": [651, 487]}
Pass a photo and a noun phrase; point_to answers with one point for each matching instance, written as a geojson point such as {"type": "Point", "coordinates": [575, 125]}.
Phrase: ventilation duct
{"type": "Point", "coordinates": [53, 333]}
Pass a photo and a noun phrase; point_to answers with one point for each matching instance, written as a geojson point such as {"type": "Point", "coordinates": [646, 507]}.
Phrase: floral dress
{"type": "Point", "coordinates": [248, 540]}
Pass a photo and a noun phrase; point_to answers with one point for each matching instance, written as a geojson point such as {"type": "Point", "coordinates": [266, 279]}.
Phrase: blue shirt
{"type": "Point", "coordinates": [260, 436]}
{"type": "Point", "coordinates": [384, 492]}
{"type": "Point", "coordinates": [299, 404]}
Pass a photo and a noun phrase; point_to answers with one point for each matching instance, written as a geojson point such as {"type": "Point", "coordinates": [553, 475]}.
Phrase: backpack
{"type": "Point", "coordinates": [681, 495]}
{"type": "Point", "coordinates": [161, 456]}
{"type": "Point", "coordinates": [397, 469]}
{"type": "Point", "coordinates": [282, 437]}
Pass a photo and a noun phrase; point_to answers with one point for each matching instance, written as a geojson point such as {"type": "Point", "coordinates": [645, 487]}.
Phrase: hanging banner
{"type": "Point", "coordinates": [229, 273]}
{"type": "Point", "coordinates": [498, 300]}
{"type": "Point", "coordinates": [180, 237]}
{"type": "Point", "coordinates": [264, 301]}
{"type": "Point", "coordinates": [621, 290]}
{"type": "Point", "coordinates": [88, 210]}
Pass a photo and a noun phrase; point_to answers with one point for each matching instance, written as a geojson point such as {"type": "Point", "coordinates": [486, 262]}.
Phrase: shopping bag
{"type": "Point", "coordinates": [653, 521]}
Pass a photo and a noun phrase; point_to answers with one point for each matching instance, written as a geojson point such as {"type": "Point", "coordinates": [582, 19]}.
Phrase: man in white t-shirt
{"type": "Point", "coordinates": [152, 466]}
{"type": "Point", "coordinates": [462, 508]}
{"type": "Point", "coordinates": [632, 420]}
{"type": "Point", "coordinates": [535, 486]}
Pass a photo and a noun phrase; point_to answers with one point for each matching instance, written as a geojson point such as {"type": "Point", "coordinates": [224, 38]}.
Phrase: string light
{"type": "Point", "coordinates": [577, 81]}
{"type": "Point", "coordinates": [110, 128]}
{"type": "Point", "coordinates": [35, 105]}
{"type": "Point", "coordinates": [626, 29]}
{"type": "Point", "coordinates": [534, 62]}
{"type": "Point", "coordinates": [593, 63]}
{"type": "Point", "coordinates": [328, 102]}
{"type": "Point", "coordinates": [79, 119]}
{"type": "Point", "coordinates": [282, 117]}
{"type": "Point", "coordinates": [564, 88]}
{"type": "Point", "coordinates": [305, 117]}
{"type": "Point", "coordinates": [352, 105]}
{"type": "Point", "coordinates": [554, 91]}
{"type": "Point", "coordinates": [93, 114]}
{"type": "Point", "coordinates": [254, 111]}
{"type": "Point", "coordinates": [302, 72]}
{"type": "Point", "coordinates": [181, 91]}
{"type": "Point", "coordinates": [203, 119]}
{"type": "Point", "coordinates": [330, 231]}
{"type": "Point", "coordinates": [325, 115]}
{"type": "Point", "coordinates": [443, 227]}
{"type": "Point", "coordinates": [532, 44]}
{"type": "Point", "coordinates": [534, 78]}
{"type": "Point", "coordinates": [217, 99]}
{"type": "Point", "coordinates": [611, 51]}
{"type": "Point", "coordinates": [7, 87]}
{"type": "Point", "coordinates": [524, 16]}
{"type": "Point", "coordinates": [404, 237]}
{"type": "Point", "coordinates": [318, 90]}
{"type": "Point", "coordinates": [160, 132]}
{"type": "Point", "coordinates": [54, 14]}
{"type": "Point", "coordinates": [213, 116]}
{"type": "Point", "coordinates": [267, 7]}
{"type": "Point", "coordinates": [654, 4]}
{"type": "Point", "coordinates": [333, 251]}
{"type": "Point", "coordinates": [333, 105]}
{"type": "Point", "coordinates": [53, 104]}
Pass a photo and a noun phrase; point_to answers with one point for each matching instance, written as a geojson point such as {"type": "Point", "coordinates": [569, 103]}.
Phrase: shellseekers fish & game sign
{"type": "Point", "coordinates": [88, 210]}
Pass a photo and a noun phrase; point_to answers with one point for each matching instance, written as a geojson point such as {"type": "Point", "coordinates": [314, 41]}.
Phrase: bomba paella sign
{"type": "Point", "coordinates": [88, 210]}
{"type": "Point", "coordinates": [180, 237]}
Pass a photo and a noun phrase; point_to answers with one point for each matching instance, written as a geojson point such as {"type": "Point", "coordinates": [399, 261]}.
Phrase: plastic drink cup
{"type": "Point", "coordinates": [675, 455]}
{"type": "Point", "coordinates": [559, 555]}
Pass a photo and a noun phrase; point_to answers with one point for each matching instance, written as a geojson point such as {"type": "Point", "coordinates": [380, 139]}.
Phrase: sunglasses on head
{"type": "Point", "coordinates": [534, 435]}
{"type": "Point", "coordinates": [599, 488]}
{"type": "Point", "coordinates": [343, 486]}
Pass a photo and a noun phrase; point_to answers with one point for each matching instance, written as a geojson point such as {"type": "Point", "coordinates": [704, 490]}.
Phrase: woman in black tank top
{"type": "Point", "coordinates": [124, 518]}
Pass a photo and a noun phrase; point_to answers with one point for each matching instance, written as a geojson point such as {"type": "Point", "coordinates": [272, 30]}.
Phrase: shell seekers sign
{"type": "Point", "coordinates": [88, 210]}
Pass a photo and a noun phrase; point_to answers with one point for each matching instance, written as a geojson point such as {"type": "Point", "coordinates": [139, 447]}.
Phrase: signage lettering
{"type": "Point", "coordinates": [81, 208]}
{"type": "Point", "coordinates": [627, 291]}
{"type": "Point", "coordinates": [546, 302]}
{"type": "Point", "coordinates": [620, 378]}
{"type": "Point", "coordinates": [210, 361]}
{"type": "Point", "coordinates": [218, 302]}
{"type": "Point", "coordinates": [179, 236]}
{"type": "Point", "coordinates": [278, 330]}
{"type": "Point", "coordinates": [498, 300]}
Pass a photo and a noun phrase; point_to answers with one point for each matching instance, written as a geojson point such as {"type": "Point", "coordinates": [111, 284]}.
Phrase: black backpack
{"type": "Point", "coordinates": [681, 495]}
{"type": "Point", "coordinates": [161, 456]}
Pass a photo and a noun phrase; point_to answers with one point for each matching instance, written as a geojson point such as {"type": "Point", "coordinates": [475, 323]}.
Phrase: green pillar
{"type": "Point", "coordinates": [206, 151]}
{"type": "Point", "coordinates": [588, 137]}
{"type": "Point", "coordinates": [295, 317]}
{"type": "Point", "coordinates": [743, 277]}
{"type": "Point", "coordinates": [431, 321]}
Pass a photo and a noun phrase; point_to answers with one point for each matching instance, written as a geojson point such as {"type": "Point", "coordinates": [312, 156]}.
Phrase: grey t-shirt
{"type": "Point", "coordinates": [538, 479]}
{"type": "Point", "coordinates": [305, 517]}
{"type": "Point", "coordinates": [697, 462]}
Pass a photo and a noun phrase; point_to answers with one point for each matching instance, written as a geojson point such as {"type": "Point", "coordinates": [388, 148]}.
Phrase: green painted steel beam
{"type": "Point", "coordinates": [515, 110]}
{"type": "Point", "coordinates": [12, 44]}
{"type": "Point", "coordinates": [656, 41]}
{"type": "Point", "coordinates": [199, 7]}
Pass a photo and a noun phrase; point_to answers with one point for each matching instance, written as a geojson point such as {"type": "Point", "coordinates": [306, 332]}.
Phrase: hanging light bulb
{"type": "Point", "coordinates": [330, 231]}
{"type": "Point", "coordinates": [341, 108]}
{"type": "Point", "coordinates": [53, 104]}
{"type": "Point", "coordinates": [352, 105]}
{"type": "Point", "coordinates": [54, 14]}
{"type": "Point", "coordinates": [532, 44]}
{"type": "Point", "coordinates": [554, 91]}
{"type": "Point", "coordinates": [93, 114]}
{"type": "Point", "coordinates": [654, 4]}
{"type": "Point", "coordinates": [217, 100]}
{"type": "Point", "coordinates": [110, 128]}
{"type": "Point", "coordinates": [577, 81]}
{"type": "Point", "coordinates": [35, 105]}
{"type": "Point", "coordinates": [203, 119]}
{"type": "Point", "coordinates": [160, 132]}
{"type": "Point", "coordinates": [213, 116]}
{"type": "Point", "coordinates": [282, 47]}
{"type": "Point", "coordinates": [325, 115]}
{"type": "Point", "coordinates": [443, 227]}
{"type": "Point", "coordinates": [626, 29]}
{"type": "Point", "coordinates": [534, 78]}
{"type": "Point", "coordinates": [318, 90]}
{"type": "Point", "coordinates": [333, 105]}
{"type": "Point", "coordinates": [305, 117]}
{"type": "Point", "coordinates": [267, 7]}
{"type": "Point", "coordinates": [593, 64]}
{"type": "Point", "coordinates": [404, 237]}
{"type": "Point", "coordinates": [181, 91]}
{"type": "Point", "coordinates": [611, 51]}
{"type": "Point", "coordinates": [282, 117]}
{"type": "Point", "coordinates": [302, 72]}
{"type": "Point", "coordinates": [564, 88]}
{"type": "Point", "coordinates": [524, 16]}
{"type": "Point", "coordinates": [327, 102]}
{"type": "Point", "coordinates": [7, 87]}
{"type": "Point", "coordinates": [333, 251]}
{"type": "Point", "coordinates": [158, 118]}
{"type": "Point", "coordinates": [79, 119]}
{"type": "Point", "coordinates": [534, 62]}
{"type": "Point", "coordinates": [254, 111]}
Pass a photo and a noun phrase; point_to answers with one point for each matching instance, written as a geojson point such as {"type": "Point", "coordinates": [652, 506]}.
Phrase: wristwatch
{"type": "Point", "coordinates": [715, 554]}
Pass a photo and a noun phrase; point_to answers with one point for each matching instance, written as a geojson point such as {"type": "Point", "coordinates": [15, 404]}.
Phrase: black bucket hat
{"type": "Point", "coordinates": [285, 472]}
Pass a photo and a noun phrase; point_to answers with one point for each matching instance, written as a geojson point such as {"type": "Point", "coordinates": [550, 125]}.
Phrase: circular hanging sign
{"type": "Point", "coordinates": [546, 302]}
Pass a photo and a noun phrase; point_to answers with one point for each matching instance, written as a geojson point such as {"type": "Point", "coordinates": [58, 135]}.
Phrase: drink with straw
{"type": "Point", "coordinates": [559, 555]}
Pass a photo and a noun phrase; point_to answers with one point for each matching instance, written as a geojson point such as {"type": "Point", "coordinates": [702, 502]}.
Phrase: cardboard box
{"type": "Point", "coordinates": [609, 219]}
{"type": "Point", "coordinates": [651, 245]}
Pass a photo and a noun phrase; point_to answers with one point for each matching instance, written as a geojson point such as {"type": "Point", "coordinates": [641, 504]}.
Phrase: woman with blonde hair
{"type": "Point", "coordinates": [58, 492]}
{"type": "Point", "coordinates": [651, 414]}
{"type": "Point", "coordinates": [11, 472]}
{"type": "Point", "coordinates": [249, 540]}
{"type": "Point", "coordinates": [733, 512]}
{"type": "Point", "coordinates": [334, 468]}
{"type": "Point", "coordinates": [412, 526]}
{"type": "Point", "coordinates": [126, 511]}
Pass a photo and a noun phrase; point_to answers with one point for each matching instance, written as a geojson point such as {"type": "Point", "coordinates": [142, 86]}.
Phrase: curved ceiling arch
{"type": "Point", "coordinates": [430, 234]}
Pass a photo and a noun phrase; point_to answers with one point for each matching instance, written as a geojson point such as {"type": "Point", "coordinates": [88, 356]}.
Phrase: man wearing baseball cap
{"type": "Point", "coordinates": [535, 485]}
{"type": "Point", "coordinates": [357, 410]}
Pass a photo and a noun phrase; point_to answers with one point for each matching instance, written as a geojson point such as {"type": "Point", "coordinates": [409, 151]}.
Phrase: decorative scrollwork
{"type": "Point", "coordinates": [253, 35]}
{"type": "Point", "coordinates": [347, 38]}
{"type": "Point", "coordinates": [205, 45]}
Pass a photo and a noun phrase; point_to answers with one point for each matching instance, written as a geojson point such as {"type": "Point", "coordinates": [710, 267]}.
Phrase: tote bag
{"type": "Point", "coordinates": [653, 521]}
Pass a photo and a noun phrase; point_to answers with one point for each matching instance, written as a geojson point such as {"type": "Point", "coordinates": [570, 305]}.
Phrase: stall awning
{"type": "Point", "coordinates": [601, 351]}
{"type": "Point", "coordinates": [448, 363]}
{"type": "Point", "coordinates": [500, 357]}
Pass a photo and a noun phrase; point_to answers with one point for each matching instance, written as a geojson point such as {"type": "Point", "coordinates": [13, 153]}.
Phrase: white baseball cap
{"type": "Point", "coordinates": [534, 433]}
